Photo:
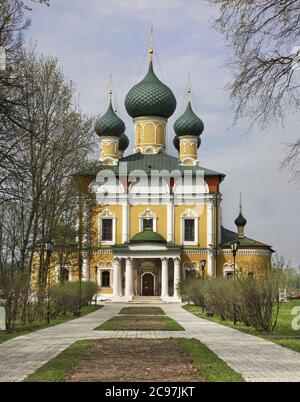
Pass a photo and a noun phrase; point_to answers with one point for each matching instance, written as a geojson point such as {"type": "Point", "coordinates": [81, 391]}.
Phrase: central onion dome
{"type": "Point", "coordinates": [189, 123]}
{"type": "Point", "coordinates": [110, 124]}
{"type": "Point", "coordinates": [150, 97]}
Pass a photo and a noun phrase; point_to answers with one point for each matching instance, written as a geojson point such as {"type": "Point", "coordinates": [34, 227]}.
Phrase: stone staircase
{"type": "Point", "coordinates": [146, 299]}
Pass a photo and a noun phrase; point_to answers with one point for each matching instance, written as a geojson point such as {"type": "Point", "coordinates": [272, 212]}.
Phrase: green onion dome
{"type": "Point", "coordinates": [240, 220]}
{"type": "Point", "coordinates": [189, 123]}
{"type": "Point", "coordinates": [110, 124]}
{"type": "Point", "coordinates": [148, 236]}
{"type": "Point", "coordinates": [123, 142]}
{"type": "Point", "coordinates": [150, 97]}
{"type": "Point", "coordinates": [176, 142]}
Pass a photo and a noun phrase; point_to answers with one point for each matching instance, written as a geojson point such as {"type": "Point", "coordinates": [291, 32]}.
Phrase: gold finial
{"type": "Point", "coordinates": [151, 45]}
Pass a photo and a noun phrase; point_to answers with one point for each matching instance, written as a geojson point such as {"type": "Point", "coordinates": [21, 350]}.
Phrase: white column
{"type": "Point", "coordinates": [210, 268]}
{"type": "Point", "coordinates": [120, 279]}
{"type": "Point", "coordinates": [85, 269]}
{"type": "Point", "coordinates": [116, 280]}
{"type": "Point", "coordinates": [170, 222]}
{"type": "Point", "coordinates": [128, 279]}
{"type": "Point", "coordinates": [164, 278]}
{"type": "Point", "coordinates": [125, 222]}
{"type": "Point", "coordinates": [176, 278]}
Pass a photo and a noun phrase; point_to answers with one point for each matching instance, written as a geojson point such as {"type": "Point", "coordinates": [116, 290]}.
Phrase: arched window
{"type": "Point", "coordinates": [105, 279]}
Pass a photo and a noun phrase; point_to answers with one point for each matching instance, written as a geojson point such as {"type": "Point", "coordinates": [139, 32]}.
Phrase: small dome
{"type": "Point", "coordinates": [148, 236]}
{"type": "Point", "coordinates": [123, 142]}
{"type": "Point", "coordinates": [150, 97]}
{"type": "Point", "coordinates": [189, 123]}
{"type": "Point", "coordinates": [240, 220]}
{"type": "Point", "coordinates": [110, 124]}
{"type": "Point", "coordinates": [176, 142]}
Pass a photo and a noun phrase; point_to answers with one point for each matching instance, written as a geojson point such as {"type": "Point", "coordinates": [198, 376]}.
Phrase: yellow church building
{"type": "Point", "coordinates": [158, 216]}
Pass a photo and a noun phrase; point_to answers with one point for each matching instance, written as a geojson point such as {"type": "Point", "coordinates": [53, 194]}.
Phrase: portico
{"type": "Point", "coordinates": [146, 269]}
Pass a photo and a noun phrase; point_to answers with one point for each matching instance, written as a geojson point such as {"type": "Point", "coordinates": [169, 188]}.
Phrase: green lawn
{"type": "Point", "coordinates": [212, 368]}
{"type": "Point", "coordinates": [36, 325]}
{"type": "Point", "coordinates": [142, 323]}
{"type": "Point", "coordinates": [56, 369]}
{"type": "Point", "coordinates": [283, 333]}
{"type": "Point", "coordinates": [142, 311]}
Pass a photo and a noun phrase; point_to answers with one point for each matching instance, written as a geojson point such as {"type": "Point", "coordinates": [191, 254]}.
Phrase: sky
{"type": "Point", "coordinates": [95, 38]}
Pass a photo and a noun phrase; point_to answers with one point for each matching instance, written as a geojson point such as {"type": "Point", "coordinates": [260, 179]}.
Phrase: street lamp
{"type": "Point", "coordinates": [80, 262]}
{"type": "Point", "coordinates": [49, 249]}
{"type": "Point", "coordinates": [234, 249]}
{"type": "Point", "coordinates": [202, 265]}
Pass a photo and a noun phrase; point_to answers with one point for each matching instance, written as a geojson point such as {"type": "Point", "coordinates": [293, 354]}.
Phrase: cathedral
{"type": "Point", "coordinates": [157, 217]}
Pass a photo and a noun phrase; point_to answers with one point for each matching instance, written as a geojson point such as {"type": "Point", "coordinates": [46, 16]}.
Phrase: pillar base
{"type": "Point", "coordinates": [171, 299]}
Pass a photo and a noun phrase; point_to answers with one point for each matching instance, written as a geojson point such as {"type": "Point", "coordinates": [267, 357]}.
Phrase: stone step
{"type": "Point", "coordinates": [146, 299]}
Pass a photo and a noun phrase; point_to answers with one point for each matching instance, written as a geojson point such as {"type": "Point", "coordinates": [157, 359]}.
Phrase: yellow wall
{"type": "Point", "coordinates": [161, 222]}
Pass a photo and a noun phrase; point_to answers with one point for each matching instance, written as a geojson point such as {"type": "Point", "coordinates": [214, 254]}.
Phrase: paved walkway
{"type": "Point", "coordinates": [255, 358]}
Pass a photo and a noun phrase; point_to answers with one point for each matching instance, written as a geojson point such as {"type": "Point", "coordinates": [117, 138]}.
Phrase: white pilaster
{"type": "Point", "coordinates": [210, 263]}
{"type": "Point", "coordinates": [128, 279]}
{"type": "Point", "coordinates": [98, 276]}
{"type": "Point", "coordinates": [116, 280]}
{"type": "Point", "coordinates": [210, 267]}
{"type": "Point", "coordinates": [125, 222]}
{"type": "Point", "coordinates": [85, 269]}
{"type": "Point", "coordinates": [170, 222]}
{"type": "Point", "coordinates": [176, 295]}
{"type": "Point", "coordinates": [164, 279]}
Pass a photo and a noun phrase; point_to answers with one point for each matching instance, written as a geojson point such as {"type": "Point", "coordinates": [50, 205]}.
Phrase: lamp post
{"type": "Point", "coordinates": [234, 249]}
{"type": "Point", "coordinates": [80, 262]}
{"type": "Point", "coordinates": [49, 249]}
{"type": "Point", "coordinates": [202, 264]}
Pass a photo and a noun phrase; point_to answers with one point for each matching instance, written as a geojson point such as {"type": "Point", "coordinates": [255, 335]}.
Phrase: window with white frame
{"type": "Point", "coordinates": [147, 219]}
{"type": "Point", "coordinates": [189, 228]}
{"type": "Point", "coordinates": [107, 228]}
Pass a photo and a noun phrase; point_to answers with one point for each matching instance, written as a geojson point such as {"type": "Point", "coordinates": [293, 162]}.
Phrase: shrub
{"type": "Point", "coordinates": [65, 297]}
{"type": "Point", "coordinates": [192, 289]}
{"type": "Point", "coordinates": [220, 297]}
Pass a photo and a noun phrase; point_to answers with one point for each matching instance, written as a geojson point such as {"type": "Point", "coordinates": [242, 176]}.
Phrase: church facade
{"type": "Point", "coordinates": [157, 217]}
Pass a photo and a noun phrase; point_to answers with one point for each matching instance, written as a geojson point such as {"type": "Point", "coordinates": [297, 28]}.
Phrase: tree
{"type": "Point", "coordinates": [39, 193]}
{"type": "Point", "coordinates": [264, 38]}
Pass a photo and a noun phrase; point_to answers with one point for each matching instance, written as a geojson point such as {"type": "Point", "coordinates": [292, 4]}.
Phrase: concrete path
{"type": "Point", "coordinates": [255, 358]}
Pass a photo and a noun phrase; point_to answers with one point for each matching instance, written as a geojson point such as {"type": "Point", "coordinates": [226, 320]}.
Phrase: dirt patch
{"type": "Point", "coordinates": [135, 360]}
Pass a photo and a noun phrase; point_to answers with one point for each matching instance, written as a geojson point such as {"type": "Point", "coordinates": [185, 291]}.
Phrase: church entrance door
{"type": "Point", "coordinates": [147, 284]}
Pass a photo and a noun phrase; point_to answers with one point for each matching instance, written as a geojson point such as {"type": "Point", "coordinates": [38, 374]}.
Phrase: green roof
{"type": "Point", "coordinates": [149, 162]}
{"type": "Point", "coordinates": [148, 236]}
{"type": "Point", "coordinates": [110, 124]}
{"type": "Point", "coordinates": [189, 123]}
{"type": "Point", "coordinates": [150, 97]}
{"type": "Point", "coordinates": [228, 236]}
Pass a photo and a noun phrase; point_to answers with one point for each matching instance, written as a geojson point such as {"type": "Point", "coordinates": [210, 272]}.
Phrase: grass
{"type": "Point", "coordinates": [56, 369]}
{"type": "Point", "coordinates": [142, 311]}
{"type": "Point", "coordinates": [135, 323]}
{"type": "Point", "coordinates": [22, 329]}
{"type": "Point", "coordinates": [212, 368]}
{"type": "Point", "coordinates": [283, 333]}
